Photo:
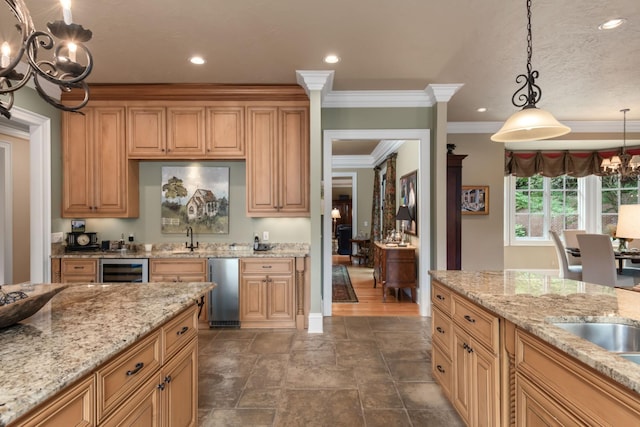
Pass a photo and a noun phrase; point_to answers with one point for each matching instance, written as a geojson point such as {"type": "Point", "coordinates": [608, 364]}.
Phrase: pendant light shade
{"type": "Point", "coordinates": [530, 124]}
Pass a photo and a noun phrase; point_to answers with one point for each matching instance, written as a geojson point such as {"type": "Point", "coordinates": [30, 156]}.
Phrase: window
{"type": "Point", "coordinates": [537, 204]}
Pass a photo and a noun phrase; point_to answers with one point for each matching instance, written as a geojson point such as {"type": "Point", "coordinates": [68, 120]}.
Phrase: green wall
{"type": "Point", "coordinates": [376, 118]}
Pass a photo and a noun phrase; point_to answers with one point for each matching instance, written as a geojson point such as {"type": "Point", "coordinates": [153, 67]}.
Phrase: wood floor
{"type": "Point", "coordinates": [370, 298]}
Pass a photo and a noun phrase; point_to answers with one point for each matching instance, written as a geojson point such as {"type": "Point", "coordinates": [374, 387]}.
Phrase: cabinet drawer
{"type": "Point", "coordinates": [267, 266]}
{"type": "Point", "coordinates": [442, 369]}
{"type": "Point", "coordinates": [79, 266]}
{"type": "Point", "coordinates": [119, 378]}
{"type": "Point", "coordinates": [177, 333]}
{"type": "Point", "coordinates": [441, 330]}
{"type": "Point", "coordinates": [479, 323]}
{"type": "Point", "coordinates": [172, 267]}
{"type": "Point", "coordinates": [441, 297]}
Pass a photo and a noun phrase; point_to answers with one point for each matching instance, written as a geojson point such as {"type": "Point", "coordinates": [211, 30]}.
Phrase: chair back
{"type": "Point", "coordinates": [562, 255]}
{"type": "Point", "coordinates": [598, 259]}
{"type": "Point", "coordinates": [571, 241]}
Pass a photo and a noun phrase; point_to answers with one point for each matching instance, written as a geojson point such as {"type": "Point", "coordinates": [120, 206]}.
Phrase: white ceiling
{"type": "Point", "coordinates": [585, 73]}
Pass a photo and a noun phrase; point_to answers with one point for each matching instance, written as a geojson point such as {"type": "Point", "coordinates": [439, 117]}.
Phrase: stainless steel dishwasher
{"type": "Point", "coordinates": [224, 302]}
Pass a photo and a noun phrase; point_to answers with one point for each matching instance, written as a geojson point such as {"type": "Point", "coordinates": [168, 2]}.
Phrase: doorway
{"type": "Point", "coordinates": [39, 135]}
{"type": "Point", "coordinates": [424, 204]}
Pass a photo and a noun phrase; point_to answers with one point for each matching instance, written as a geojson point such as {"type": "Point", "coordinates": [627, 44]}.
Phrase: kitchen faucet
{"type": "Point", "coordinates": [190, 234]}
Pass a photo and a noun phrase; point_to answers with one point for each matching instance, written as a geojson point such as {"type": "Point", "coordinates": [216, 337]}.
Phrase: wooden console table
{"type": "Point", "coordinates": [394, 267]}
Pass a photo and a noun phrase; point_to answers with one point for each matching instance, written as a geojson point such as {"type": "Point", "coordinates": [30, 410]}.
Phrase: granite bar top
{"type": "Point", "coordinates": [78, 330]}
{"type": "Point", "coordinates": [533, 301]}
{"type": "Point", "coordinates": [205, 250]}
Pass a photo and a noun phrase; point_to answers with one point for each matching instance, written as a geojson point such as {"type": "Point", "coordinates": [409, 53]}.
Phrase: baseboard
{"type": "Point", "coordinates": [315, 323]}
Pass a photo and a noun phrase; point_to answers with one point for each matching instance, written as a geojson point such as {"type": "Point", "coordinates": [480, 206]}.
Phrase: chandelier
{"type": "Point", "coordinates": [624, 164]}
{"type": "Point", "coordinates": [530, 123]}
{"type": "Point", "coordinates": [68, 63]}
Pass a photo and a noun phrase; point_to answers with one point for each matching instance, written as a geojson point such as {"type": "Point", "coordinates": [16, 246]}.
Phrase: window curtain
{"type": "Point", "coordinates": [557, 163]}
{"type": "Point", "coordinates": [389, 212]}
{"type": "Point", "coordinates": [375, 214]}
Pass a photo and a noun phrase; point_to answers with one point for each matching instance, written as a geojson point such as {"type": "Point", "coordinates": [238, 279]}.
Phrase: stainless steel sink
{"type": "Point", "coordinates": [614, 337]}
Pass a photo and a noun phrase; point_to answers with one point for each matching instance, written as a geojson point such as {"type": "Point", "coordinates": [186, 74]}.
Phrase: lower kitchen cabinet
{"type": "Point", "coordinates": [78, 270]}
{"type": "Point", "coordinates": [267, 293]}
{"type": "Point", "coordinates": [177, 270]}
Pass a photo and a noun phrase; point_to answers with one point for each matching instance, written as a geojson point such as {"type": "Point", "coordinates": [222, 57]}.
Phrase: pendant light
{"type": "Point", "coordinates": [531, 123]}
{"type": "Point", "coordinates": [623, 164]}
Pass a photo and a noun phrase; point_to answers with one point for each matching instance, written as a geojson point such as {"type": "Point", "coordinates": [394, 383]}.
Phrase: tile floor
{"type": "Point", "coordinates": [362, 371]}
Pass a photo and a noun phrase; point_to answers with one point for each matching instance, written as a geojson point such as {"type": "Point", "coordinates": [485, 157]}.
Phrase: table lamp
{"type": "Point", "coordinates": [628, 222]}
{"type": "Point", "coordinates": [335, 214]}
{"type": "Point", "coordinates": [402, 216]}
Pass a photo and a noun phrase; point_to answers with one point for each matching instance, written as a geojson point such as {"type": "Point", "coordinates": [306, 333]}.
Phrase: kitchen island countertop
{"type": "Point", "coordinates": [78, 330]}
{"type": "Point", "coordinates": [533, 301]}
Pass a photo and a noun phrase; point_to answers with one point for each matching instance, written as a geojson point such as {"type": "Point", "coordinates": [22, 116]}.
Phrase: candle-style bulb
{"type": "Point", "coordinates": [66, 11]}
{"type": "Point", "coordinates": [6, 55]}
{"type": "Point", "coordinates": [72, 51]}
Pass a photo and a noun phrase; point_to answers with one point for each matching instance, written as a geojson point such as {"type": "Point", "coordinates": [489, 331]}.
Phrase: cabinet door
{"type": "Point", "coordinates": [280, 300]}
{"type": "Point", "coordinates": [75, 407]}
{"type": "Point", "coordinates": [77, 158]}
{"type": "Point", "coordinates": [224, 133]}
{"type": "Point", "coordinates": [185, 132]}
{"type": "Point", "coordinates": [146, 132]}
{"type": "Point", "coordinates": [485, 386]}
{"type": "Point", "coordinates": [177, 270]}
{"type": "Point", "coordinates": [293, 171]}
{"type": "Point", "coordinates": [142, 409]}
{"type": "Point", "coordinates": [253, 298]}
{"type": "Point", "coordinates": [462, 375]}
{"type": "Point", "coordinates": [262, 177]}
{"type": "Point", "coordinates": [180, 392]}
{"type": "Point", "coordinates": [535, 409]}
{"type": "Point", "coordinates": [78, 270]}
{"type": "Point", "coordinates": [110, 162]}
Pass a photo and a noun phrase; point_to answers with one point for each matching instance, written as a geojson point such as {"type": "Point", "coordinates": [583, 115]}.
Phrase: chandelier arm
{"type": "Point", "coordinates": [65, 88]}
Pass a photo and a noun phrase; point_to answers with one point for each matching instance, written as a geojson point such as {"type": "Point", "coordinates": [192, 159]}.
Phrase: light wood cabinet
{"type": "Point", "coordinates": [277, 161]}
{"type": "Point", "coordinates": [553, 388]}
{"type": "Point", "coordinates": [177, 270]}
{"type": "Point", "coordinates": [98, 181]}
{"type": "Point", "coordinates": [185, 131]}
{"type": "Point", "coordinates": [78, 270]}
{"type": "Point", "coordinates": [267, 293]}
{"type": "Point", "coordinates": [74, 407]}
{"type": "Point", "coordinates": [466, 360]}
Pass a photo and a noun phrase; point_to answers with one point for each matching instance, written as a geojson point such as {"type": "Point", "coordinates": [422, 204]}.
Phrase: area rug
{"type": "Point", "coordinates": [342, 290]}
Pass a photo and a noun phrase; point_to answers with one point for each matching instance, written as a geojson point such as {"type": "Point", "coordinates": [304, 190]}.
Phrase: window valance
{"type": "Point", "coordinates": [557, 163]}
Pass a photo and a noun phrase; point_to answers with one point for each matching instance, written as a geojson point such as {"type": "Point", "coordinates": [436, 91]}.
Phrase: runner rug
{"type": "Point", "coordinates": [342, 288]}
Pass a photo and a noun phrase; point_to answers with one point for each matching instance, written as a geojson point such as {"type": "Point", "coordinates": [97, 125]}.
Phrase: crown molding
{"type": "Point", "coordinates": [442, 92]}
{"type": "Point", "coordinates": [353, 162]}
{"type": "Point", "coordinates": [311, 80]}
{"type": "Point", "coordinates": [576, 126]}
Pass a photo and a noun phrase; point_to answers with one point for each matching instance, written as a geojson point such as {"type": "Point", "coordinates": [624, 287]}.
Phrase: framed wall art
{"type": "Point", "coordinates": [197, 197]}
{"type": "Point", "coordinates": [409, 197]}
{"type": "Point", "coordinates": [475, 200]}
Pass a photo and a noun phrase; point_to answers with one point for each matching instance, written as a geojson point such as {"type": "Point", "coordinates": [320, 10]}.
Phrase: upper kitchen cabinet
{"type": "Point", "coordinates": [224, 132]}
{"type": "Point", "coordinates": [166, 132]}
{"type": "Point", "coordinates": [278, 160]}
{"type": "Point", "coordinates": [98, 181]}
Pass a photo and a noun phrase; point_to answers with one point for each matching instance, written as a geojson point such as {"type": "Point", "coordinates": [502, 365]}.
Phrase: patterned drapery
{"type": "Point", "coordinates": [557, 163]}
{"type": "Point", "coordinates": [375, 214]}
{"type": "Point", "coordinates": [389, 212]}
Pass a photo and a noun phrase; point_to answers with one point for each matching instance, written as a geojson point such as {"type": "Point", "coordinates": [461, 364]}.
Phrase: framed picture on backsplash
{"type": "Point", "coordinates": [196, 197]}
{"type": "Point", "coordinates": [475, 200]}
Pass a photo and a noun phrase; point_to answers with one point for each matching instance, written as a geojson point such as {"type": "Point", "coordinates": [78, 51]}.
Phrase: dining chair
{"type": "Point", "coordinates": [573, 272]}
{"type": "Point", "coordinates": [599, 262]}
{"type": "Point", "coordinates": [570, 241]}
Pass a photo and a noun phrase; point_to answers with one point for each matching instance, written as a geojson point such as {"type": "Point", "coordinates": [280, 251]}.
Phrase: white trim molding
{"type": "Point", "coordinates": [315, 323]}
{"type": "Point", "coordinates": [315, 80]}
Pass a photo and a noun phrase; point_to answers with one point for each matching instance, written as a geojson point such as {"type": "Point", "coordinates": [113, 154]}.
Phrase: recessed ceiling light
{"type": "Point", "coordinates": [611, 24]}
{"type": "Point", "coordinates": [198, 60]}
{"type": "Point", "coordinates": [331, 59]}
{"type": "Point", "coordinates": [481, 109]}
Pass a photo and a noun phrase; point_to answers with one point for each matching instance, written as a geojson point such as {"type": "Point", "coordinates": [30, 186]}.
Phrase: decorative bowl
{"type": "Point", "coordinates": [37, 297]}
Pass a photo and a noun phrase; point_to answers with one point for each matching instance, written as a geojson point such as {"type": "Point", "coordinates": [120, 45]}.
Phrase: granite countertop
{"type": "Point", "coordinates": [206, 250]}
{"type": "Point", "coordinates": [533, 301]}
{"type": "Point", "coordinates": [78, 330]}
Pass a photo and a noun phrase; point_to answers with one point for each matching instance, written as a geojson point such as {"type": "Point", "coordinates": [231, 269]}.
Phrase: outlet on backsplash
{"type": "Point", "coordinates": [265, 236]}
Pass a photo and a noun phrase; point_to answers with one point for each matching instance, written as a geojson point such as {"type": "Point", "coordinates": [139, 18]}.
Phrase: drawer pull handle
{"type": "Point", "coordinates": [135, 370]}
{"type": "Point", "coordinates": [440, 297]}
{"type": "Point", "coordinates": [183, 330]}
{"type": "Point", "coordinates": [469, 319]}
{"type": "Point", "coordinates": [439, 329]}
{"type": "Point", "coordinates": [440, 369]}
{"type": "Point", "coordinates": [78, 267]}
{"type": "Point", "coordinates": [266, 266]}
